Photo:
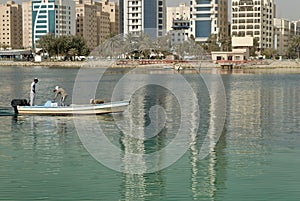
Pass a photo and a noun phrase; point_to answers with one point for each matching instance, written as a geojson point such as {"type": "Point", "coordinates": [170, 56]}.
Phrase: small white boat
{"type": "Point", "coordinates": [88, 109]}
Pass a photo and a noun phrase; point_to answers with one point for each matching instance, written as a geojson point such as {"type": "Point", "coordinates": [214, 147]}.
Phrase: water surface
{"type": "Point", "coordinates": [256, 158]}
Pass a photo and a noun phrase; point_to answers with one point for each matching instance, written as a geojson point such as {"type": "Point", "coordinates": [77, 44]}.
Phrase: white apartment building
{"type": "Point", "coordinates": [181, 12]}
{"type": "Point", "coordinates": [146, 16]}
{"type": "Point", "coordinates": [208, 17]}
{"type": "Point", "coordinates": [254, 18]}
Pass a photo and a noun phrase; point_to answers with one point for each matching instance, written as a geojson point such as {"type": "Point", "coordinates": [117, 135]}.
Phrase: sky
{"type": "Point", "coordinates": [288, 9]}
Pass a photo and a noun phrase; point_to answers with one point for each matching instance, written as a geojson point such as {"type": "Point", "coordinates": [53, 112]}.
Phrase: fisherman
{"type": "Point", "coordinates": [32, 91]}
{"type": "Point", "coordinates": [63, 94]}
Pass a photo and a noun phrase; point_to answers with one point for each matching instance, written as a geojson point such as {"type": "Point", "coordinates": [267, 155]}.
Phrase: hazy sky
{"type": "Point", "coordinates": [288, 9]}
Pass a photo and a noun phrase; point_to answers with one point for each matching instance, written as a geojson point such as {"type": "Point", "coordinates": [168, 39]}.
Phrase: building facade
{"type": "Point", "coordinates": [254, 18]}
{"type": "Point", "coordinates": [92, 23]}
{"type": "Point", "coordinates": [86, 22]}
{"type": "Point", "coordinates": [208, 17]}
{"type": "Point", "coordinates": [282, 35]}
{"type": "Point", "coordinates": [103, 24]}
{"type": "Point", "coordinates": [113, 9]}
{"type": "Point", "coordinates": [147, 16]}
{"type": "Point", "coordinates": [52, 16]}
{"type": "Point", "coordinates": [180, 31]}
{"type": "Point", "coordinates": [181, 12]}
{"type": "Point", "coordinates": [10, 24]}
{"type": "Point", "coordinates": [27, 24]}
{"type": "Point", "coordinates": [284, 31]}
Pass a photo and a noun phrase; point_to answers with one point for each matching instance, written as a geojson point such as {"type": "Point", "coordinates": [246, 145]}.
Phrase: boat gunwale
{"type": "Point", "coordinates": [105, 108]}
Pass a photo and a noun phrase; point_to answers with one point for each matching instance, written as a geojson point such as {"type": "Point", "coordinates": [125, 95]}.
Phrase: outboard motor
{"type": "Point", "coordinates": [21, 102]}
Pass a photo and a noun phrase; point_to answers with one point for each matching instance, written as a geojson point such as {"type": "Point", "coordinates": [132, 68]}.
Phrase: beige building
{"type": "Point", "coordinates": [27, 24]}
{"type": "Point", "coordinates": [103, 24]}
{"type": "Point", "coordinates": [255, 19]}
{"type": "Point", "coordinates": [240, 51]}
{"type": "Point", "coordinates": [113, 9]}
{"type": "Point", "coordinates": [284, 31]}
{"type": "Point", "coordinates": [11, 25]}
{"type": "Point", "coordinates": [181, 12]}
{"type": "Point", "coordinates": [91, 22]}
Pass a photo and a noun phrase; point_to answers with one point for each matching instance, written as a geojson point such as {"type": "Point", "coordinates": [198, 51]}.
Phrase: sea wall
{"type": "Point", "coordinates": [260, 64]}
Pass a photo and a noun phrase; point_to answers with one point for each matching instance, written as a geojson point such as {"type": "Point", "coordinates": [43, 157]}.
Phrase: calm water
{"type": "Point", "coordinates": [256, 157]}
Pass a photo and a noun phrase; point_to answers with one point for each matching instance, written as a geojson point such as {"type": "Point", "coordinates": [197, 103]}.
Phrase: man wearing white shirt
{"type": "Point", "coordinates": [32, 91]}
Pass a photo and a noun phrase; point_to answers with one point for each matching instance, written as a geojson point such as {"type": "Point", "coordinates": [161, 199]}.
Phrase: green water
{"type": "Point", "coordinates": [256, 157]}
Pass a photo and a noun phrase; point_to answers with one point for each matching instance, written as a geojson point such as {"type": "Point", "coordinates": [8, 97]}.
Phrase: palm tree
{"type": "Point", "coordinates": [73, 52]}
{"type": "Point", "coordinates": [144, 45]}
{"type": "Point", "coordinates": [295, 44]}
{"type": "Point", "coordinates": [130, 42]}
{"type": "Point", "coordinates": [112, 47]}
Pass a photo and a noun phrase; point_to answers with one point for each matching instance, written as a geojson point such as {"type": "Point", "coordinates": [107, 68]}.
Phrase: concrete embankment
{"type": "Point", "coordinates": [44, 63]}
{"type": "Point", "coordinates": [264, 64]}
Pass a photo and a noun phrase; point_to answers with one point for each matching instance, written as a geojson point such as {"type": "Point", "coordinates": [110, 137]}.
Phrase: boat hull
{"type": "Point", "coordinates": [106, 108]}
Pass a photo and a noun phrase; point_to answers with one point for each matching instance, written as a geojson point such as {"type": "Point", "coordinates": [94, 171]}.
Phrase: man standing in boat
{"type": "Point", "coordinates": [60, 91]}
{"type": "Point", "coordinates": [32, 91]}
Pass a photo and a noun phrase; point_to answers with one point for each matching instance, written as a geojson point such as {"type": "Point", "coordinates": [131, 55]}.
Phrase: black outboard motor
{"type": "Point", "coordinates": [21, 102]}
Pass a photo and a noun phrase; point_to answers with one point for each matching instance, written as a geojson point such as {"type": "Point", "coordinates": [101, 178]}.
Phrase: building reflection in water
{"type": "Point", "coordinates": [204, 172]}
{"type": "Point", "coordinates": [208, 174]}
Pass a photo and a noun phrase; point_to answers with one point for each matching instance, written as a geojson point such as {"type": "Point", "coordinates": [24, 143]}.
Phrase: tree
{"type": "Point", "coordinates": [212, 43]}
{"type": "Point", "coordinates": [112, 47]}
{"type": "Point", "coordinates": [225, 43]}
{"type": "Point", "coordinates": [270, 53]}
{"type": "Point", "coordinates": [144, 45]}
{"type": "Point", "coordinates": [63, 44]}
{"type": "Point", "coordinates": [47, 42]}
{"type": "Point", "coordinates": [73, 52]}
{"type": "Point", "coordinates": [294, 47]}
{"type": "Point", "coordinates": [254, 48]}
{"type": "Point", "coordinates": [130, 42]}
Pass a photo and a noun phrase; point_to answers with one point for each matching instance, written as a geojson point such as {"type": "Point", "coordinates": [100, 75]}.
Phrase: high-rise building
{"type": "Point", "coordinates": [254, 18]}
{"type": "Point", "coordinates": [113, 9]}
{"type": "Point", "coordinates": [282, 35]}
{"type": "Point", "coordinates": [27, 24]}
{"type": "Point", "coordinates": [284, 31]}
{"type": "Point", "coordinates": [86, 22]}
{"type": "Point", "coordinates": [103, 24]}
{"type": "Point", "coordinates": [92, 23]}
{"type": "Point", "coordinates": [147, 16]}
{"type": "Point", "coordinates": [11, 25]}
{"type": "Point", "coordinates": [208, 17]}
{"type": "Point", "coordinates": [52, 16]}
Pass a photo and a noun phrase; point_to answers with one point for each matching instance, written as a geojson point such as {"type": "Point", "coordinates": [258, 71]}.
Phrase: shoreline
{"type": "Point", "coordinates": [267, 65]}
